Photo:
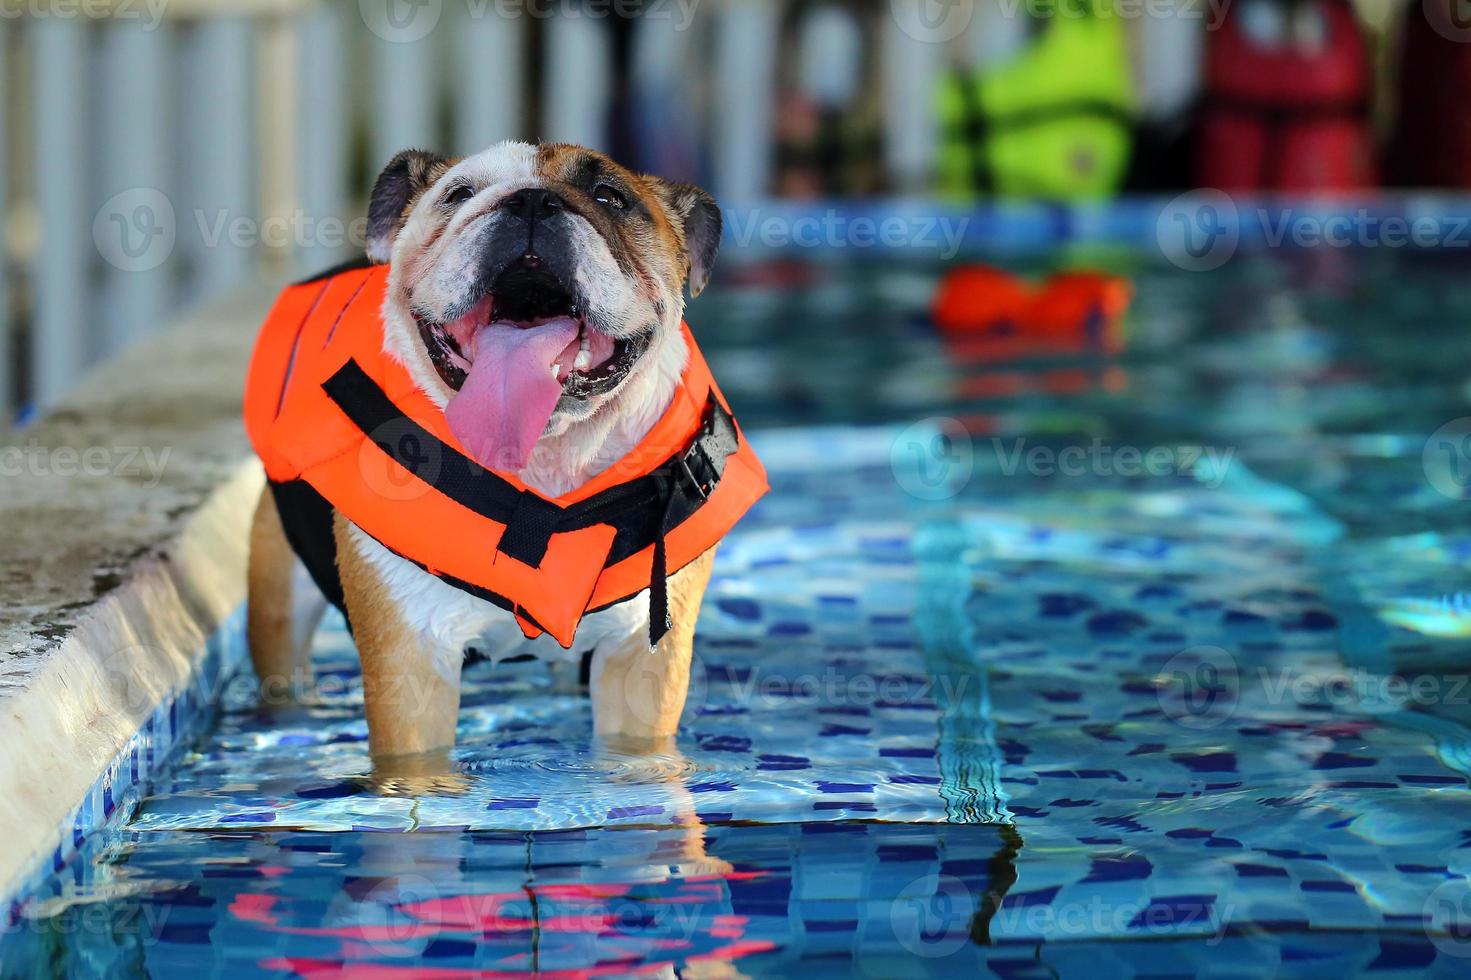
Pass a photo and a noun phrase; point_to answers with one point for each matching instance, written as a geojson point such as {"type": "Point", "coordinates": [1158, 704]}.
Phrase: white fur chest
{"type": "Point", "coordinates": [451, 619]}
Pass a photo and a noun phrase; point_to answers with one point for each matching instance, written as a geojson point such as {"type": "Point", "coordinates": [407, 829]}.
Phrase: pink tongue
{"type": "Point", "coordinates": [503, 406]}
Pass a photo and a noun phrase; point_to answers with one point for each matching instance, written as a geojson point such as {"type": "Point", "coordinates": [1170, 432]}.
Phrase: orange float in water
{"type": "Point", "coordinates": [1069, 310]}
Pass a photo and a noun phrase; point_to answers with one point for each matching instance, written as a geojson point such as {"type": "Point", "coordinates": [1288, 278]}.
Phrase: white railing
{"type": "Point", "coordinates": [175, 148]}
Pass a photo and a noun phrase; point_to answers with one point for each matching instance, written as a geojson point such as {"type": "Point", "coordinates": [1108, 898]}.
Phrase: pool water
{"type": "Point", "coordinates": [1034, 662]}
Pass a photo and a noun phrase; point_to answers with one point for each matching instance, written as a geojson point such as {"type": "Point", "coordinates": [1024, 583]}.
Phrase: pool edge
{"type": "Point", "coordinates": [126, 521]}
{"type": "Point", "coordinates": [123, 687]}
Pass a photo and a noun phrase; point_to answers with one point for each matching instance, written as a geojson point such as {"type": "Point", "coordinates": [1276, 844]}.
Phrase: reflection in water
{"type": "Point", "coordinates": [555, 902]}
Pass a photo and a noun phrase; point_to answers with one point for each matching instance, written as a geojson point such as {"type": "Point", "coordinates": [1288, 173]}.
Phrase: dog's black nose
{"type": "Point", "coordinates": [533, 204]}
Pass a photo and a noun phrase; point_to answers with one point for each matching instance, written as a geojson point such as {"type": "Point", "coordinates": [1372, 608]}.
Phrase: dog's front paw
{"type": "Point", "coordinates": [428, 774]}
{"type": "Point", "coordinates": [449, 784]}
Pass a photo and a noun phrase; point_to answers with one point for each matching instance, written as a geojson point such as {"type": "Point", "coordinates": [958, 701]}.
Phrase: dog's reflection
{"type": "Point", "coordinates": [625, 901]}
{"type": "Point", "coordinates": [613, 759]}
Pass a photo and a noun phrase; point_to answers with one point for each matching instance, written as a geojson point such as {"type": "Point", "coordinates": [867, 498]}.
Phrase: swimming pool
{"type": "Point", "coordinates": [1047, 664]}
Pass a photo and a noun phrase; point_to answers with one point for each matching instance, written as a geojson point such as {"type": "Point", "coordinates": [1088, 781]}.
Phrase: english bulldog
{"type": "Point", "coordinates": [536, 294]}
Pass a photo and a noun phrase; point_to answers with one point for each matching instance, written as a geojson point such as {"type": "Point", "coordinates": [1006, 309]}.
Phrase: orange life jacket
{"type": "Point", "coordinates": [340, 424]}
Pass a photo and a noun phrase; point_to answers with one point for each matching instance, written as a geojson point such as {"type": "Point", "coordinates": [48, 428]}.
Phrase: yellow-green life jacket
{"type": "Point", "coordinates": [1053, 122]}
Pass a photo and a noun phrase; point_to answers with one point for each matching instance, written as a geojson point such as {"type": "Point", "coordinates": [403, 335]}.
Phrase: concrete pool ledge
{"type": "Point", "coordinates": [124, 520]}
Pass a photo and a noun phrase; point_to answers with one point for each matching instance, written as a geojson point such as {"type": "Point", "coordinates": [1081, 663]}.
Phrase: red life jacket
{"type": "Point", "coordinates": [1280, 115]}
{"type": "Point", "coordinates": [1431, 146]}
{"type": "Point", "coordinates": [340, 424]}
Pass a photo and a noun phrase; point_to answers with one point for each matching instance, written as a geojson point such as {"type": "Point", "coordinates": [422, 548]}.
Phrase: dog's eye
{"type": "Point", "coordinates": [608, 197]}
{"type": "Point", "coordinates": [458, 195]}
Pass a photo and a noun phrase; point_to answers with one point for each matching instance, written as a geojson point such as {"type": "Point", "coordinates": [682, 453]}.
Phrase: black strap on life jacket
{"type": "Point", "coordinates": [642, 511]}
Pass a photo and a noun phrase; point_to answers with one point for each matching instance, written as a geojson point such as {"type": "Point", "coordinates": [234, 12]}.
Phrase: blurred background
{"type": "Point", "coordinates": [157, 153]}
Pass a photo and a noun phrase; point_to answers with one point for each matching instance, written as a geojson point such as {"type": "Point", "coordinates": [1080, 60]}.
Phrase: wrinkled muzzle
{"type": "Point", "coordinates": [519, 339]}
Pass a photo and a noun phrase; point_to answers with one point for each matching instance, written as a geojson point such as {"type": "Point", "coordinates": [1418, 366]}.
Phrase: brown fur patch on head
{"type": "Point", "coordinates": [667, 230]}
{"type": "Point", "coordinates": [697, 217]}
{"type": "Point", "coordinates": [398, 187]}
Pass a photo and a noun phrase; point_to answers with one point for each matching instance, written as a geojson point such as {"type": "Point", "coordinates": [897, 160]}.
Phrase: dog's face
{"type": "Point", "coordinates": [534, 286]}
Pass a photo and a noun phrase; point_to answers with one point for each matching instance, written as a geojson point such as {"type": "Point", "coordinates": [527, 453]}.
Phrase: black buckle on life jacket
{"type": "Point", "coordinates": [529, 532]}
{"type": "Point", "coordinates": [704, 462]}
{"type": "Point", "coordinates": [701, 489]}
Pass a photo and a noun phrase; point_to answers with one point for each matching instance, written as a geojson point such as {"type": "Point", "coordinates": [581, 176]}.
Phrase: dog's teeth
{"type": "Point", "coordinates": [584, 359]}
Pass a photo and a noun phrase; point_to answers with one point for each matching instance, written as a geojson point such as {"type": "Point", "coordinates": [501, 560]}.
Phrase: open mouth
{"type": "Point", "coordinates": [525, 299]}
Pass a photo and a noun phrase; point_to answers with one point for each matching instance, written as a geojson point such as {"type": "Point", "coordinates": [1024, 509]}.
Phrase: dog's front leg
{"type": "Point", "coordinates": [638, 694]}
{"type": "Point", "coordinates": [411, 686]}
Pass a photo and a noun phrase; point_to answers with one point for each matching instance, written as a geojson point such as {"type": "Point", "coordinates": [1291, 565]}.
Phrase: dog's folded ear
{"type": "Point", "coordinates": [698, 214]}
{"type": "Point", "coordinates": [407, 175]}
